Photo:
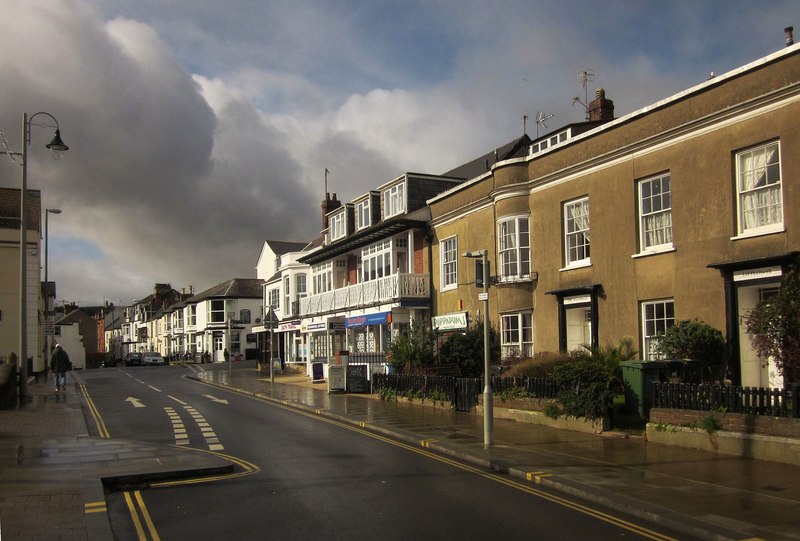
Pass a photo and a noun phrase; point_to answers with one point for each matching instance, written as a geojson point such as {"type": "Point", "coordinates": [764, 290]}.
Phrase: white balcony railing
{"type": "Point", "coordinates": [386, 289]}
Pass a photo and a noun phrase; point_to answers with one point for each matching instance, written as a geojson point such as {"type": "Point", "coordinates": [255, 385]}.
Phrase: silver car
{"type": "Point", "coordinates": [152, 358]}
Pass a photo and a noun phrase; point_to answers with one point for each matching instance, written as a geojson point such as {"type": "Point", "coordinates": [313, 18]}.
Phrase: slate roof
{"type": "Point", "coordinates": [513, 149]}
{"type": "Point", "coordinates": [242, 288]}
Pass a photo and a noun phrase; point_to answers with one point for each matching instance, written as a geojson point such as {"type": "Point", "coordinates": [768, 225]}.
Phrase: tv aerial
{"type": "Point", "coordinates": [585, 76]}
{"type": "Point", "coordinates": [541, 118]}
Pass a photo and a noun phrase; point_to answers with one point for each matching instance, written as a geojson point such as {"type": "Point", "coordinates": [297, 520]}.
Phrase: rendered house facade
{"type": "Point", "coordinates": [685, 209]}
{"type": "Point", "coordinates": [370, 279]}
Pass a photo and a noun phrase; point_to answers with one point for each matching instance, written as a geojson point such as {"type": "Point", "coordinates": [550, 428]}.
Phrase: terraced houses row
{"type": "Point", "coordinates": [604, 229]}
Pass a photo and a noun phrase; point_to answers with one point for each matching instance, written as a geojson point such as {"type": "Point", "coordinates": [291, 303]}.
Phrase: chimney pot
{"type": "Point", "coordinates": [789, 35]}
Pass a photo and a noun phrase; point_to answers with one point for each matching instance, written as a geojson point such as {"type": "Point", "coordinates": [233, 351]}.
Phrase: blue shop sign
{"type": "Point", "coordinates": [369, 319]}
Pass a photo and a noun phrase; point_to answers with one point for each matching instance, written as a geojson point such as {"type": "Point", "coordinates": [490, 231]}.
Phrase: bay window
{"type": "Point", "coordinates": [514, 248]}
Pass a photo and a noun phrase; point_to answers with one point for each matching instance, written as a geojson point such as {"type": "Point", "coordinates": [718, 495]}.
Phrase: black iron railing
{"type": "Point", "coordinates": [727, 398]}
{"type": "Point", "coordinates": [462, 393]}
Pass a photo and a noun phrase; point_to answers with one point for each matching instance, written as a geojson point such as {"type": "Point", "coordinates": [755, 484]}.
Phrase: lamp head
{"type": "Point", "coordinates": [57, 146]}
{"type": "Point", "coordinates": [54, 211]}
{"type": "Point", "coordinates": [475, 254]}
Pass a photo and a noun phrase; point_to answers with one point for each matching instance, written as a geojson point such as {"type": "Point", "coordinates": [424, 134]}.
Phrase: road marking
{"type": "Point", "coordinates": [94, 507]}
{"type": "Point", "coordinates": [135, 401]}
{"type": "Point", "coordinates": [215, 399]}
{"type": "Point", "coordinates": [564, 502]}
{"type": "Point", "coordinates": [133, 502]}
{"type": "Point", "coordinates": [427, 443]}
{"type": "Point", "coordinates": [181, 402]}
{"type": "Point", "coordinates": [536, 476]}
{"type": "Point", "coordinates": [208, 433]}
{"type": "Point", "coordinates": [102, 431]}
{"type": "Point", "coordinates": [155, 389]}
{"type": "Point", "coordinates": [178, 428]}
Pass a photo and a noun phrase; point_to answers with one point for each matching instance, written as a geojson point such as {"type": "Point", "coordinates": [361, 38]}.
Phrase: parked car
{"type": "Point", "coordinates": [133, 359]}
{"type": "Point", "coordinates": [152, 358]}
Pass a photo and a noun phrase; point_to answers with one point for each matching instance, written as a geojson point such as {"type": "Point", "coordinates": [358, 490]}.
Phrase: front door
{"type": "Point", "coordinates": [219, 348]}
{"type": "Point", "coordinates": [756, 371]}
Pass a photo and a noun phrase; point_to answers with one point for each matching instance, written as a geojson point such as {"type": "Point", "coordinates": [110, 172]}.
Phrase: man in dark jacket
{"type": "Point", "coordinates": [59, 364]}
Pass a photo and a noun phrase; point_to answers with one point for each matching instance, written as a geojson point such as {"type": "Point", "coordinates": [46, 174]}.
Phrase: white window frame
{"type": "Point", "coordinates": [274, 298]}
{"type": "Point", "coordinates": [363, 217]}
{"type": "Point", "coordinates": [655, 319]}
{"type": "Point", "coordinates": [448, 263]}
{"type": "Point", "coordinates": [300, 285]}
{"type": "Point", "coordinates": [287, 295]}
{"type": "Point", "coordinates": [394, 200]}
{"type": "Point", "coordinates": [516, 335]}
{"type": "Point", "coordinates": [655, 213]}
{"type": "Point", "coordinates": [337, 226]}
{"type": "Point", "coordinates": [376, 261]}
{"type": "Point", "coordinates": [577, 238]}
{"type": "Point", "coordinates": [759, 190]}
{"type": "Point", "coordinates": [322, 277]}
{"type": "Point", "coordinates": [215, 311]}
{"type": "Point", "coordinates": [514, 248]}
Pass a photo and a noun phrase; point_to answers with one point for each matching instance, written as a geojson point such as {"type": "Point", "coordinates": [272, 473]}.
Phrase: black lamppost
{"type": "Point", "coordinates": [488, 409]}
{"type": "Point", "coordinates": [56, 147]}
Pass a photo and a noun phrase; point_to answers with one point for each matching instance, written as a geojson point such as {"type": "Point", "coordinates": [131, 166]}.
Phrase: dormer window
{"type": "Point", "coordinates": [362, 214]}
{"type": "Point", "coordinates": [394, 201]}
{"type": "Point", "coordinates": [550, 142]}
{"type": "Point", "coordinates": [337, 226]}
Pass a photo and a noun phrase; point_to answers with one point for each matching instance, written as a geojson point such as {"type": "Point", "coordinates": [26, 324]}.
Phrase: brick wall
{"type": "Point", "coordinates": [734, 422]}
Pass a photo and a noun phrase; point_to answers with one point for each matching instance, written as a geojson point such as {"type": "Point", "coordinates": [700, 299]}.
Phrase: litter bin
{"type": "Point", "coordinates": [637, 376]}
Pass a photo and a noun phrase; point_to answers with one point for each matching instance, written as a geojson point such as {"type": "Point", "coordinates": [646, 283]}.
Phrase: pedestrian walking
{"type": "Point", "coordinates": [60, 365]}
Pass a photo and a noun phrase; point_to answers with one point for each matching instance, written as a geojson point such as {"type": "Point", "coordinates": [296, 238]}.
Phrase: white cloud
{"type": "Point", "coordinates": [198, 129]}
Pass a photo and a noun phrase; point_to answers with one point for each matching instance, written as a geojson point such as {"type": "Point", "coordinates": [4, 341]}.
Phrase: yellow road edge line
{"type": "Point", "coordinates": [94, 507]}
{"type": "Point", "coordinates": [137, 524]}
{"type": "Point", "coordinates": [98, 419]}
{"type": "Point", "coordinates": [146, 515]}
{"type": "Point", "coordinates": [611, 519]}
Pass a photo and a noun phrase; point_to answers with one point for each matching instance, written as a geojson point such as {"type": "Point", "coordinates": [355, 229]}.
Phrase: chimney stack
{"type": "Point", "coordinates": [329, 205]}
{"type": "Point", "coordinates": [789, 35]}
{"type": "Point", "coordinates": [601, 109]}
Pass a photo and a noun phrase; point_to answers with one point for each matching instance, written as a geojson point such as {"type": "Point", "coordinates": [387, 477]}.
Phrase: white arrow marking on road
{"type": "Point", "coordinates": [135, 401]}
{"type": "Point", "coordinates": [215, 399]}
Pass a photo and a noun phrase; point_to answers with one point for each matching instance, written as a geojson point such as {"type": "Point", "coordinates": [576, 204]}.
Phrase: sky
{"type": "Point", "coordinates": [198, 129]}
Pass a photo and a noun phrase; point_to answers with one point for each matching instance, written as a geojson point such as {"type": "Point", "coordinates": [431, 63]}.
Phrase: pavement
{"type": "Point", "coordinates": [52, 471]}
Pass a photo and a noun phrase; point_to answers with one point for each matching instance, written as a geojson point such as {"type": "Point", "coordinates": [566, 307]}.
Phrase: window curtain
{"type": "Point", "coordinates": [658, 229]}
{"type": "Point", "coordinates": [579, 213]}
{"type": "Point", "coordinates": [760, 196]}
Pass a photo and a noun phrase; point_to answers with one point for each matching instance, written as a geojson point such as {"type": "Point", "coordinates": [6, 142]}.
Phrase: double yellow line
{"type": "Point", "coordinates": [535, 476]}
{"type": "Point", "coordinates": [98, 420]}
{"type": "Point", "coordinates": [141, 517]}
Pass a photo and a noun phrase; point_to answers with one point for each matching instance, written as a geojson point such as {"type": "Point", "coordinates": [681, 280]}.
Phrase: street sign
{"type": "Point", "coordinates": [49, 327]}
{"type": "Point", "coordinates": [483, 296]}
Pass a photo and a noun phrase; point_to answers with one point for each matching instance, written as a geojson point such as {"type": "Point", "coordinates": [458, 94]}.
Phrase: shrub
{"type": "Point", "coordinates": [585, 388]}
{"type": "Point", "coordinates": [540, 366]}
{"type": "Point", "coordinates": [698, 341]}
{"type": "Point", "coordinates": [466, 350]}
{"type": "Point", "coordinates": [412, 351]}
{"type": "Point", "coordinates": [775, 328]}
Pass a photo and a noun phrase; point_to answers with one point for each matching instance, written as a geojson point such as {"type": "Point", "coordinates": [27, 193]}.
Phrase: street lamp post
{"type": "Point", "coordinates": [488, 406]}
{"type": "Point", "coordinates": [47, 315]}
{"type": "Point", "coordinates": [56, 146]}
